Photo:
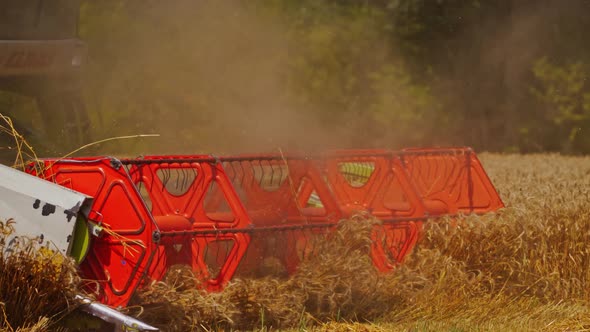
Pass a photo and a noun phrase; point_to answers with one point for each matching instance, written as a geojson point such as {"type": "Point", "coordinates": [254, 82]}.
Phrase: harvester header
{"type": "Point", "coordinates": [235, 215]}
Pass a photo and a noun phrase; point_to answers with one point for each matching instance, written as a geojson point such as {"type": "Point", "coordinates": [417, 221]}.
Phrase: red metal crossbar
{"type": "Point", "coordinates": [228, 215]}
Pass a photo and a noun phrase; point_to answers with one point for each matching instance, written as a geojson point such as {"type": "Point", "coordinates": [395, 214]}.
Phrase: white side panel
{"type": "Point", "coordinates": [41, 209]}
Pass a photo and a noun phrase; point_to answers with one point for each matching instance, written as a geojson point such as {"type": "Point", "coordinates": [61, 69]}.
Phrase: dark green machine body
{"type": "Point", "coordinates": [42, 57]}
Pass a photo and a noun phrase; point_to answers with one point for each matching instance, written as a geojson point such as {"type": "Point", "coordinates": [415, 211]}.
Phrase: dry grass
{"type": "Point", "coordinates": [36, 285]}
{"type": "Point", "coordinates": [20, 149]}
{"type": "Point", "coordinates": [524, 268]}
{"type": "Point", "coordinates": [339, 282]}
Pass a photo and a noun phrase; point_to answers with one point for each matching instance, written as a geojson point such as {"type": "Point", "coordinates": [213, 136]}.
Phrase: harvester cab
{"type": "Point", "coordinates": [41, 57]}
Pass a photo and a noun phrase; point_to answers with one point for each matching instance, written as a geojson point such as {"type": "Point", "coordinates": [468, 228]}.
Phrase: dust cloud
{"type": "Point", "coordinates": [208, 76]}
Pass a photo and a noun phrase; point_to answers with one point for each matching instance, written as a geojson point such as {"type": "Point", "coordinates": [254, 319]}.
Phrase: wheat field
{"type": "Point", "coordinates": [524, 268]}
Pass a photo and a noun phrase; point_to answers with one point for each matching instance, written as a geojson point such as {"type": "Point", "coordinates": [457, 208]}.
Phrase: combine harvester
{"type": "Point", "coordinates": [226, 216]}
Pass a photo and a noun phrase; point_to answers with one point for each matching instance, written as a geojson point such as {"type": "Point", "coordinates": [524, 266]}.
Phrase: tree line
{"type": "Point", "coordinates": [505, 75]}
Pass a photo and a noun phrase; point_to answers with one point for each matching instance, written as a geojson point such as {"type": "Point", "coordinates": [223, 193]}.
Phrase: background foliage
{"type": "Point", "coordinates": [234, 75]}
